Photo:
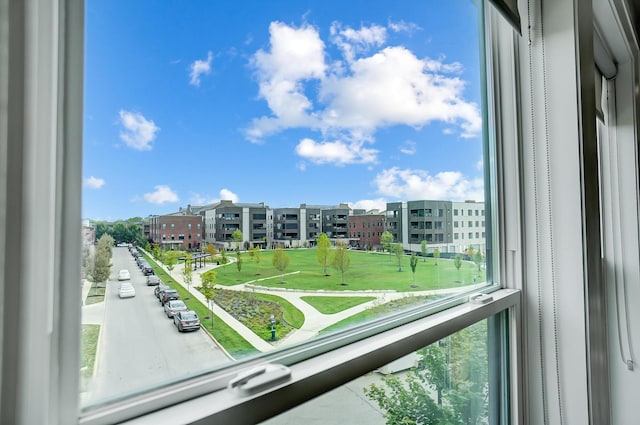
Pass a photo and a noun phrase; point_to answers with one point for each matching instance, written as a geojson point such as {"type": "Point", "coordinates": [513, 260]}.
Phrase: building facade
{"type": "Point", "coordinates": [365, 229]}
{"type": "Point", "coordinates": [177, 231]}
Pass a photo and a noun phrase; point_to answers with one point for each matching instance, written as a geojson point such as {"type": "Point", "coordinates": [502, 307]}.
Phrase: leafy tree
{"type": "Point", "coordinates": [399, 251]}
{"type": "Point", "coordinates": [413, 263]}
{"type": "Point", "coordinates": [386, 239]}
{"type": "Point", "coordinates": [280, 260]}
{"type": "Point", "coordinates": [237, 238]}
{"type": "Point", "coordinates": [99, 268]}
{"type": "Point", "coordinates": [212, 251]}
{"type": "Point", "coordinates": [187, 272]}
{"type": "Point", "coordinates": [457, 261]}
{"type": "Point", "coordinates": [223, 257]}
{"type": "Point", "coordinates": [208, 283]}
{"type": "Point", "coordinates": [341, 259]}
{"type": "Point", "coordinates": [170, 259]}
{"type": "Point", "coordinates": [478, 259]}
{"type": "Point", "coordinates": [322, 251]}
{"type": "Point", "coordinates": [423, 247]}
{"type": "Point", "coordinates": [470, 251]}
{"type": "Point", "coordinates": [454, 369]}
{"type": "Point", "coordinates": [257, 251]}
{"type": "Point", "coordinates": [436, 254]}
{"type": "Point", "coordinates": [105, 243]}
{"type": "Point", "coordinates": [239, 261]}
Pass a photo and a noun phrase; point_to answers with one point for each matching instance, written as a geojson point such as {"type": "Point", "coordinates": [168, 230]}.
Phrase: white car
{"type": "Point", "coordinates": [127, 290]}
{"type": "Point", "coordinates": [124, 275]}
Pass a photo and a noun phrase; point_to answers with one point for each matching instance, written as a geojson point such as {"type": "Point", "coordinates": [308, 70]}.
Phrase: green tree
{"type": "Point", "coordinates": [455, 369]}
{"type": "Point", "coordinates": [212, 251]}
{"type": "Point", "coordinates": [423, 247]}
{"type": "Point", "coordinates": [457, 261]}
{"type": "Point", "coordinates": [399, 251]}
{"type": "Point", "coordinates": [322, 251]}
{"type": "Point", "coordinates": [237, 238]}
{"type": "Point", "coordinates": [436, 254]}
{"type": "Point", "coordinates": [478, 258]}
{"type": "Point", "coordinates": [280, 260]}
{"type": "Point", "coordinates": [170, 259]}
{"type": "Point", "coordinates": [413, 263]}
{"type": "Point", "coordinates": [99, 268]}
{"type": "Point", "coordinates": [223, 257]}
{"type": "Point", "coordinates": [187, 272]}
{"type": "Point", "coordinates": [208, 283]}
{"type": "Point", "coordinates": [257, 251]}
{"type": "Point", "coordinates": [239, 261]}
{"type": "Point", "coordinates": [341, 259]}
{"type": "Point", "coordinates": [386, 239]}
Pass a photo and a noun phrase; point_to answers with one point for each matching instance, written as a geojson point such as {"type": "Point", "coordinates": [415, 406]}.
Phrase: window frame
{"type": "Point", "coordinates": [51, 35]}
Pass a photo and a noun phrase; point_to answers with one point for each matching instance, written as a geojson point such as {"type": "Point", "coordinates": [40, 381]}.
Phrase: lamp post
{"type": "Point", "coordinates": [273, 327]}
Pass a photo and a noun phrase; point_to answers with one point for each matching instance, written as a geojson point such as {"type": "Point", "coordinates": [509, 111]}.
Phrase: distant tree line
{"type": "Point", "coordinates": [125, 231]}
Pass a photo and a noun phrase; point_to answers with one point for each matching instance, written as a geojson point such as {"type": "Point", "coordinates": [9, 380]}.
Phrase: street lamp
{"type": "Point", "coordinates": [273, 327]}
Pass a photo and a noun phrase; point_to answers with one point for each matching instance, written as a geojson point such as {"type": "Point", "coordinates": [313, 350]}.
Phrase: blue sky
{"type": "Point", "coordinates": [281, 102]}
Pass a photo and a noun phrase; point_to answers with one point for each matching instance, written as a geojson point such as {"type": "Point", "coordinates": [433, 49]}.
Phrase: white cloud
{"type": "Point", "coordinates": [408, 147]}
{"type": "Point", "coordinates": [418, 184]}
{"type": "Point", "coordinates": [162, 195]}
{"type": "Point", "coordinates": [338, 152]}
{"type": "Point", "coordinates": [138, 132]}
{"type": "Point", "coordinates": [198, 68]}
{"type": "Point", "coordinates": [480, 164]}
{"type": "Point", "coordinates": [353, 42]}
{"type": "Point", "coordinates": [93, 182]}
{"type": "Point", "coordinates": [225, 194]}
{"type": "Point", "coordinates": [370, 204]}
{"type": "Point", "coordinates": [359, 95]}
{"type": "Point", "coordinates": [402, 26]}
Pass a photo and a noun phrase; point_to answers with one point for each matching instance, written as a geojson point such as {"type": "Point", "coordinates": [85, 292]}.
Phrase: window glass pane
{"type": "Point", "coordinates": [444, 383]}
{"type": "Point", "coordinates": [281, 129]}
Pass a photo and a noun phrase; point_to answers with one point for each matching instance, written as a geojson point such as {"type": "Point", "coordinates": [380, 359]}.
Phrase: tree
{"type": "Point", "coordinates": [423, 247]}
{"type": "Point", "coordinates": [99, 268]}
{"type": "Point", "coordinates": [237, 238]}
{"type": "Point", "coordinates": [239, 261]}
{"type": "Point", "coordinates": [478, 259]}
{"type": "Point", "coordinates": [211, 250]}
{"type": "Point", "coordinates": [322, 251]}
{"type": "Point", "coordinates": [280, 260]}
{"type": "Point", "coordinates": [187, 272]}
{"type": "Point", "coordinates": [170, 258]}
{"type": "Point", "coordinates": [457, 261]}
{"type": "Point", "coordinates": [399, 251]}
{"type": "Point", "coordinates": [413, 263]}
{"type": "Point", "coordinates": [455, 369]}
{"type": "Point", "coordinates": [257, 251]}
{"type": "Point", "coordinates": [341, 259]}
{"type": "Point", "coordinates": [436, 254]}
{"type": "Point", "coordinates": [386, 239]}
{"type": "Point", "coordinates": [208, 283]}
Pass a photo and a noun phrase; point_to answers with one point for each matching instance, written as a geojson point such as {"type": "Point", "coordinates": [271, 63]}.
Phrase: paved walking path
{"type": "Point", "coordinates": [314, 321]}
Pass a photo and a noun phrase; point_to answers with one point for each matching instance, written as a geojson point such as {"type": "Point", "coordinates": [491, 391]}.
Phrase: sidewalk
{"type": "Point", "coordinates": [314, 321]}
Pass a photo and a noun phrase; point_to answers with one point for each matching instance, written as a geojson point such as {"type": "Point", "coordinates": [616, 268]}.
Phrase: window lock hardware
{"type": "Point", "coordinates": [259, 378]}
{"type": "Point", "coordinates": [480, 299]}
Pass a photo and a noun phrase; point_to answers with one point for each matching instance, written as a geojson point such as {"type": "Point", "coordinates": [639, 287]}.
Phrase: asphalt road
{"type": "Point", "coordinates": [139, 346]}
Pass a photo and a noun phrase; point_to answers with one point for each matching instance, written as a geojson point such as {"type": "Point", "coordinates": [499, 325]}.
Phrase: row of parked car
{"type": "Point", "coordinates": [183, 318]}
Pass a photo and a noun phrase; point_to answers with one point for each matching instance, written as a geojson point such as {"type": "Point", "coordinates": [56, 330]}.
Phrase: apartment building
{"type": "Point", "coordinates": [177, 231]}
{"type": "Point", "coordinates": [365, 229]}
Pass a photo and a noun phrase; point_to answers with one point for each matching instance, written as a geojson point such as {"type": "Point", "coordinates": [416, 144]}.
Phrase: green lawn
{"type": "Point", "coordinates": [332, 305]}
{"type": "Point", "coordinates": [90, 334]}
{"type": "Point", "coordinates": [95, 294]}
{"type": "Point", "coordinates": [367, 271]}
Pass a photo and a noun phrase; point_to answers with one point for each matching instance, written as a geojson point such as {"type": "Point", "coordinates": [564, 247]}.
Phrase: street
{"type": "Point", "coordinates": [139, 346]}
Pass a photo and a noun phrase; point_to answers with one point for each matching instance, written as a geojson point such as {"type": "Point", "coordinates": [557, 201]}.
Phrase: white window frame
{"type": "Point", "coordinates": [41, 67]}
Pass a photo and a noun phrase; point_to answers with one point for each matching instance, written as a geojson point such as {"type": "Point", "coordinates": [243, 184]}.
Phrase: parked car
{"type": "Point", "coordinates": [159, 289]}
{"type": "Point", "coordinates": [174, 306]}
{"type": "Point", "coordinates": [147, 269]}
{"type": "Point", "coordinates": [168, 295]}
{"type": "Point", "coordinates": [127, 290]}
{"type": "Point", "coordinates": [186, 321]}
{"type": "Point", "coordinates": [124, 275]}
{"type": "Point", "coordinates": [153, 280]}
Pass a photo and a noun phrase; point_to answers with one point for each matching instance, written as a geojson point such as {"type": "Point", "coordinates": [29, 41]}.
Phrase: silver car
{"type": "Point", "coordinates": [174, 306]}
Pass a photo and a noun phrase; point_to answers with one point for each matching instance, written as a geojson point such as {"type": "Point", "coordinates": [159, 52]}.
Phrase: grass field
{"type": "Point", "coordinates": [367, 271]}
{"type": "Point", "coordinates": [90, 334]}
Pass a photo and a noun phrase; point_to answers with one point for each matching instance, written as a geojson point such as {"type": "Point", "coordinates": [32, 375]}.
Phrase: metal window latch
{"type": "Point", "coordinates": [480, 299]}
{"type": "Point", "coordinates": [259, 378]}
